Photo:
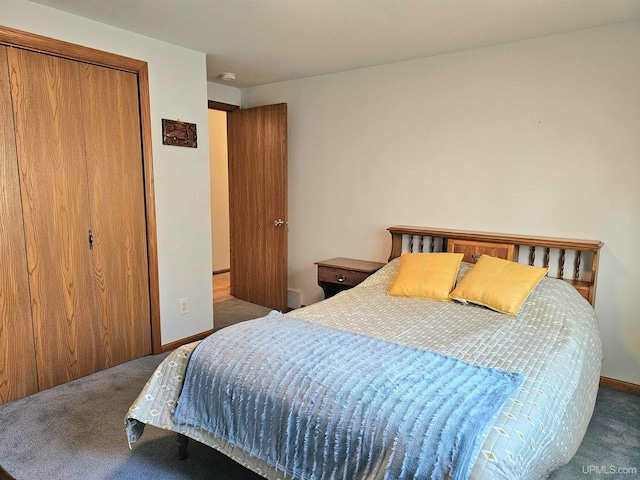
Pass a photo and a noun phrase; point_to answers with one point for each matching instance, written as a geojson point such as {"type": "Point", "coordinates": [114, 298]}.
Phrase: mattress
{"type": "Point", "coordinates": [553, 341]}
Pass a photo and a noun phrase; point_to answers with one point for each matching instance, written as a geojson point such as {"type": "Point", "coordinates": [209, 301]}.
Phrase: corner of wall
{"type": "Point", "coordinates": [224, 93]}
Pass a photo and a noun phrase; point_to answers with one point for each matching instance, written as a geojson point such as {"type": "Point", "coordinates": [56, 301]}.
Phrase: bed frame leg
{"type": "Point", "coordinates": [182, 442]}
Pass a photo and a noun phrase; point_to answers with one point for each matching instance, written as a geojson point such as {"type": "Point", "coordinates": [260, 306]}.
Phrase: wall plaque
{"type": "Point", "coordinates": [181, 134]}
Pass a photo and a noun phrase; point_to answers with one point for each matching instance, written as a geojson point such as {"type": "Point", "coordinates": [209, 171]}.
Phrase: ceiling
{"type": "Point", "coordinates": [268, 41]}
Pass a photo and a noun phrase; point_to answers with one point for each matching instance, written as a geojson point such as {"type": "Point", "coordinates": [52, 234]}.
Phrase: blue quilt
{"type": "Point", "coordinates": [320, 403]}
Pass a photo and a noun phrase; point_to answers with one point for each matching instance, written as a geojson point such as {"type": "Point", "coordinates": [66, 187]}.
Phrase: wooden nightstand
{"type": "Point", "coordinates": [338, 274]}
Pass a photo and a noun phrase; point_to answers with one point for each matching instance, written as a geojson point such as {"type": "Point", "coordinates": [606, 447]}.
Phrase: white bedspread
{"type": "Point", "coordinates": [554, 342]}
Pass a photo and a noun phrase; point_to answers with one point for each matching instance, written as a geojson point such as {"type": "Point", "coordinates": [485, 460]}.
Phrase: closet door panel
{"type": "Point", "coordinates": [114, 164]}
{"type": "Point", "coordinates": [51, 159]}
{"type": "Point", "coordinates": [17, 351]}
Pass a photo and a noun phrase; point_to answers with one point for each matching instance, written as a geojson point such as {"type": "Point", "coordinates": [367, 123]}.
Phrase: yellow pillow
{"type": "Point", "coordinates": [426, 275]}
{"type": "Point", "coordinates": [499, 284]}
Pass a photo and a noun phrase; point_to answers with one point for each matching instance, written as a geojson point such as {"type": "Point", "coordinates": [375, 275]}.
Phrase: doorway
{"type": "Point", "coordinates": [257, 203]}
{"type": "Point", "coordinates": [218, 155]}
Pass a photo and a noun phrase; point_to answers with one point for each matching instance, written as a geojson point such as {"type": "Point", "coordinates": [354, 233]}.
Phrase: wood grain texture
{"type": "Point", "coordinates": [225, 107]}
{"type": "Point", "coordinates": [115, 177]}
{"type": "Point", "coordinates": [551, 242]}
{"type": "Point", "coordinates": [50, 146]}
{"type": "Point", "coordinates": [150, 205]}
{"type": "Point", "coordinates": [471, 249]}
{"type": "Point", "coordinates": [341, 276]}
{"type": "Point", "coordinates": [352, 264]}
{"type": "Point", "coordinates": [180, 134]}
{"type": "Point", "coordinates": [38, 43]}
{"type": "Point", "coordinates": [221, 287]}
{"type": "Point", "coordinates": [338, 274]}
{"type": "Point", "coordinates": [621, 385]}
{"type": "Point", "coordinates": [17, 348]}
{"type": "Point", "coordinates": [257, 198]}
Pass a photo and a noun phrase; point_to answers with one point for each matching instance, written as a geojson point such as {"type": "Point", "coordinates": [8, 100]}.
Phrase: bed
{"type": "Point", "coordinates": [547, 356]}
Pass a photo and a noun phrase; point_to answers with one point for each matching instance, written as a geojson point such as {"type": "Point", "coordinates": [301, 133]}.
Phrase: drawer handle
{"type": "Point", "coordinates": [340, 277]}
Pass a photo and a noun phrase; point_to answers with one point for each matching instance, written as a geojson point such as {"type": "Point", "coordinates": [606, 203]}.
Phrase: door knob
{"type": "Point", "coordinates": [279, 222]}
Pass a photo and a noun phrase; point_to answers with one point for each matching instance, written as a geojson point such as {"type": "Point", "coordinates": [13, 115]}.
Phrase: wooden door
{"type": "Point", "coordinates": [17, 350]}
{"type": "Point", "coordinates": [117, 205]}
{"type": "Point", "coordinates": [53, 181]}
{"type": "Point", "coordinates": [258, 204]}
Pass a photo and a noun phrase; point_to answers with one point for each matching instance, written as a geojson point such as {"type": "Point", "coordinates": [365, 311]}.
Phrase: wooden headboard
{"type": "Point", "coordinates": [554, 252]}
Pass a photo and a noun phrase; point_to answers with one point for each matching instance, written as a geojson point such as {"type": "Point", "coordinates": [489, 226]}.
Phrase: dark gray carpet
{"type": "Point", "coordinates": [76, 431]}
{"type": "Point", "coordinates": [233, 310]}
{"type": "Point", "coordinates": [611, 446]}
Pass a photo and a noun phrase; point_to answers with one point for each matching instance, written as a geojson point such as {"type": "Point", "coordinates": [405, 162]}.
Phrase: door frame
{"type": "Point", "coordinates": [233, 240]}
{"type": "Point", "coordinates": [38, 43]}
{"type": "Point", "coordinates": [224, 107]}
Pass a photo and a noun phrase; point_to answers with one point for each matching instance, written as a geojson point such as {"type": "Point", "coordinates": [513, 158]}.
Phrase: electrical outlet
{"type": "Point", "coordinates": [184, 305]}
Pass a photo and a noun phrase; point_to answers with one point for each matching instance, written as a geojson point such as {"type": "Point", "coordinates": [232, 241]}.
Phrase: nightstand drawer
{"type": "Point", "coordinates": [341, 276]}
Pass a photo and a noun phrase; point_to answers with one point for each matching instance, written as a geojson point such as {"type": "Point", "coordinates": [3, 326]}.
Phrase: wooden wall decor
{"type": "Point", "coordinates": [181, 134]}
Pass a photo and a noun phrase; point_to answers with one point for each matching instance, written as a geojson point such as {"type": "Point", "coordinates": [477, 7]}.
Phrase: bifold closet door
{"type": "Point", "coordinates": [114, 165]}
{"type": "Point", "coordinates": [17, 353]}
{"type": "Point", "coordinates": [80, 163]}
{"type": "Point", "coordinates": [55, 204]}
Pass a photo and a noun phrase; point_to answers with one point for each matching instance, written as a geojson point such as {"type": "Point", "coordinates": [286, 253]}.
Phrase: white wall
{"type": "Point", "coordinates": [536, 137]}
{"type": "Point", "coordinates": [178, 90]}
{"type": "Point", "coordinates": [223, 93]}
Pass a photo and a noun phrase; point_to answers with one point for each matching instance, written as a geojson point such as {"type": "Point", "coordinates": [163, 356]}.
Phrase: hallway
{"type": "Point", "coordinates": [221, 287]}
